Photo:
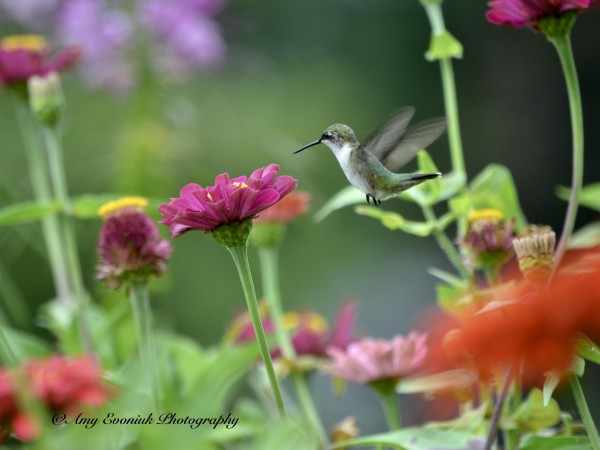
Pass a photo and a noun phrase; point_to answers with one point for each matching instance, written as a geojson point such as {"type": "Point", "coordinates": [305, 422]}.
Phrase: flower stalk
{"type": "Point", "coordinates": [42, 193]}
{"type": "Point", "coordinates": [140, 305]}
{"type": "Point", "coordinates": [61, 194]}
{"type": "Point", "coordinates": [390, 407]}
{"type": "Point", "coordinates": [562, 43]}
{"type": "Point", "coordinates": [240, 258]}
{"type": "Point", "coordinates": [268, 257]}
{"type": "Point", "coordinates": [584, 411]}
{"type": "Point", "coordinates": [446, 245]}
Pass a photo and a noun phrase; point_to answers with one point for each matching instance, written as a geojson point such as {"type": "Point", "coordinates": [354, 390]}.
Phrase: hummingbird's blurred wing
{"type": "Point", "coordinates": [395, 144]}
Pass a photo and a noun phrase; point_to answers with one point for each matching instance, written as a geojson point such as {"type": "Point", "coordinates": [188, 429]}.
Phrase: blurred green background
{"type": "Point", "coordinates": [292, 69]}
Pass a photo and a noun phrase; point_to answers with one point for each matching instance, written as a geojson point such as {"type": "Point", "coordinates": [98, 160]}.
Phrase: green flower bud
{"type": "Point", "coordinates": [46, 98]}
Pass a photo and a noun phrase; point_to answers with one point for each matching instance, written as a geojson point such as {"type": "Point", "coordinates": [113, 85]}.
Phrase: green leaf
{"type": "Point", "coordinates": [472, 421]}
{"type": "Point", "coordinates": [346, 197]}
{"type": "Point", "coordinates": [443, 45]}
{"type": "Point", "coordinates": [533, 414]}
{"type": "Point", "coordinates": [418, 439]}
{"type": "Point", "coordinates": [26, 346]}
{"type": "Point", "coordinates": [588, 350]}
{"type": "Point", "coordinates": [494, 188]}
{"type": "Point", "coordinates": [451, 379]}
{"type": "Point", "coordinates": [452, 182]}
{"type": "Point", "coordinates": [446, 277]}
{"type": "Point", "coordinates": [395, 221]}
{"type": "Point", "coordinates": [589, 196]}
{"type": "Point", "coordinates": [588, 236]}
{"type": "Point", "coordinates": [27, 212]}
{"type": "Point", "coordinates": [532, 442]}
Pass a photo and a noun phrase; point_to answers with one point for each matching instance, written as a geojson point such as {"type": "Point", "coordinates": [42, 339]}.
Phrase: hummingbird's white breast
{"type": "Point", "coordinates": [343, 156]}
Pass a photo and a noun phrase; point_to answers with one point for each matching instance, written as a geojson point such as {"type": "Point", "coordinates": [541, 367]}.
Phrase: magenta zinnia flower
{"type": "Point", "coordinates": [373, 360]}
{"type": "Point", "coordinates": [22, 57]}
{"type": "Point", "coordinates": [228, 201]}
{"type": "Point", "coordinates": [528, 13]}
{"type": "Point", "coordinates": [130, 248]}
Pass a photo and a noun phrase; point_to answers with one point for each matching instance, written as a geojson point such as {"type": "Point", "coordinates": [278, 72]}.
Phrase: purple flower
{"type": "Point", "coordinates": [129, 247]}
{"type": "Point", "coordinates": [181, 35]}
{"type": "Point", "coordinates": [23, 56]}
{"type": "Point", "coordinates": [527, 13]}
{"type": "Point", "coordinates": [106, 36]}
{"type": "Point", "coordinates": [229, 201]}
{"type": "Point", "coordinates": [372, 360]}
{"type": "Point", "coordinates": [186, 37]}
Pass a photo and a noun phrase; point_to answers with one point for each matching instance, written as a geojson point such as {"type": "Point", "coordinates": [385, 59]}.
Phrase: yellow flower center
{"type": "Point", "coordinates": [313, 321]}
{"type": "Point", "coordinates": [30, 42]}
{"type": "Point", "coordinates": [491, 214]}
{"type": "Point", "coordinates": [111, 207]}
{"type": "Point", "coordinates": [238, 184]}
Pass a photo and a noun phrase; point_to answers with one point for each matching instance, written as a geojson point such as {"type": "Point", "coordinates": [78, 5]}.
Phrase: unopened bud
{"type": "Point", "coordinates": [46, 98]}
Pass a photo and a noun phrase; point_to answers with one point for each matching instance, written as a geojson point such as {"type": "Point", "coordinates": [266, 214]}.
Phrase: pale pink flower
{"type": "Point", "coordinates": [370, 360]}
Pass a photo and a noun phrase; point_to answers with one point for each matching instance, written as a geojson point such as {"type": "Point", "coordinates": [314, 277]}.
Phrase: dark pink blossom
{"type": "Point", "coordinates": [130, 248]}
{"type": "Point", "coordinates": [228, 201]}
{"type": "Point", "coordinates": [22, 57]}
{"type": "Point", "coordinates": [527, 13]}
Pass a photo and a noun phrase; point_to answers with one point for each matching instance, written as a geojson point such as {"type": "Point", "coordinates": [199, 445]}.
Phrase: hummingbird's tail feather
{"type": "Point", "coordinates": [424, 176]}
{"type": "Point", "coordinates": [409, 180]}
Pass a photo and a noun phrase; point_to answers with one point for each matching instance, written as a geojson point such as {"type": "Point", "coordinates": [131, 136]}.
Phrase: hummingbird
{"type": "Point", "coordinates": [371, 166]}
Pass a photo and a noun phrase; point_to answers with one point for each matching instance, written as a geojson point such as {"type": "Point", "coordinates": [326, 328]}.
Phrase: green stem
{"type": "Point", "coordinates": [562, 43]}
{"type": "Point", "coordinates": [451, 106]}
{"type": "Point", "coordinates": [142, 314]}
{"type": "Point", "coordinates": [270, 275]}
{"type": "Point", "coordinates": [390, 407]}
{"type": "Point", "coordinates": [268, 257]}
{"type": "Point", "coordinates": [584, 411]}
{"type": "Point", "coordinates": [42, 193]}
{"type": "Point", "coordinates": [240, 258]}
{"type": "Point", "coordinates": [446, 244]}
{"type": "Point", "coordinates": [61, 194]}
{"type": "Point", "coordinates": [436, 21]}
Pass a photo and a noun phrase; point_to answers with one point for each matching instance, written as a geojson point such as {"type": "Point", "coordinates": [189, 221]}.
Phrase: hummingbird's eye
{"type": "Point", "coordinates": [327, 135]}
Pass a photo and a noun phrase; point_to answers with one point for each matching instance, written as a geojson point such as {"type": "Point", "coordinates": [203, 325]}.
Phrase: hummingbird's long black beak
{"type": "Point", "coordinates": [318, 141]}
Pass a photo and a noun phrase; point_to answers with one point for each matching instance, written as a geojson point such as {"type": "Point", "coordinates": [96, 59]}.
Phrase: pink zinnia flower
{"type": "Point", "coordinates": [130, 248]}
{"type": "Point", "coordinates": [528, 13]}
{"type": "Point", "coordinates": [228, 201]}
{"type": "Point", "coordinates": [22, 57]}
{"type": "Point", "coordinates": [373, 360]}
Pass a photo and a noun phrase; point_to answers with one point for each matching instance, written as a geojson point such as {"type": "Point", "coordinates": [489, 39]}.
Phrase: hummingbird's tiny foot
{"type": "Point", "coordinates": [371, 198]}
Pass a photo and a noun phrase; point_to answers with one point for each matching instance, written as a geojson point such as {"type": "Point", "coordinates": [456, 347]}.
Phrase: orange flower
{"type": "Point", "coordinates": [537, 328]}
{"type": "Point", "coordinates": [291, 206]}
